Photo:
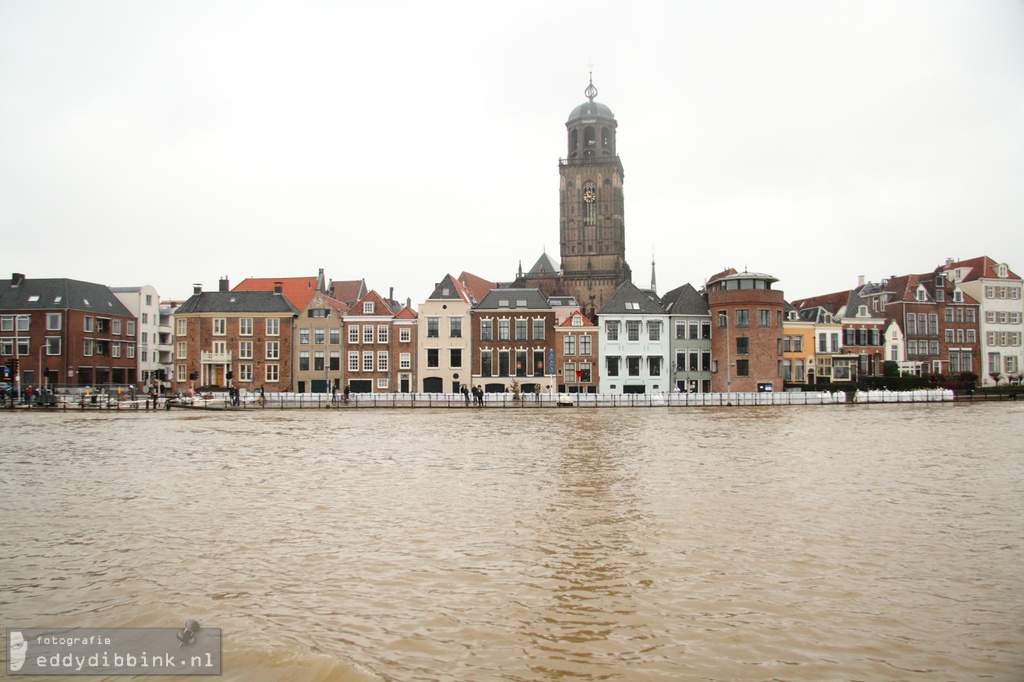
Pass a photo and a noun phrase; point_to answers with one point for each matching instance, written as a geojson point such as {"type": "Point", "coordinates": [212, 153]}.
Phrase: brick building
{"type": "Point", "coordinates": [746, 344]}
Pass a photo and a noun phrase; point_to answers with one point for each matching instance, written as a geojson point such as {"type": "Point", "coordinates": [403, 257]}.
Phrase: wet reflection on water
{"type": "Point", "coordinates": [841, 542]}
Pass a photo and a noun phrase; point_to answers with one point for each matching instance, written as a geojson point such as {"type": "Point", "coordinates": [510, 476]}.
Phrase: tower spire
{"type": "Point", "coordinates": [591, 91]}
{"type": "Point", "coordinates": [654, 285]}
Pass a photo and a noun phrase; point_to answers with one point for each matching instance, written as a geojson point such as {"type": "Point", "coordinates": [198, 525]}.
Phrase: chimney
{"type": "Point", "coordinates": [197, 288]}
{"type": "Point", "coordinates": [391, 293]}
{"type": "Point", "coordinates": [224, 286]}
{"type": "Point", "coordinates": [17, 278]}
{"type": "Point", "coordinates": [277, 288]}
{"type": "Point", "coordinates": [860, 281]}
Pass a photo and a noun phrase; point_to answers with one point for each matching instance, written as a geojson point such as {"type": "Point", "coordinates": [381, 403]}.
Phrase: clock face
{"type": "Point", "coordinates": [589, 195]}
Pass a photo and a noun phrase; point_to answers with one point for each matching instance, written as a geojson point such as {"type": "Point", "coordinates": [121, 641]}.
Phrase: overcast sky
{"type": "Point", "coordinates": [168, 143]}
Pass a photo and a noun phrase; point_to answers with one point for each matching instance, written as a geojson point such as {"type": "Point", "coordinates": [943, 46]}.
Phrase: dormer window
{"type": "Point", "coordinates": [922, 295]}
{"type": "Point", "coordinates": [862, 311]}
{"type": "Point", "coordinates": [368, 307]}
{"type": "Point", "coordinates": [577, 321]}
{"type": "Point", "coordinates": [1001, 270]}
{"type": "Point", "coordinates": [958, 296]}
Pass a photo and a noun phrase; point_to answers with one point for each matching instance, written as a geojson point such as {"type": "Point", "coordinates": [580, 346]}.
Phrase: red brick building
{"type": "Point", "coordinates": [746, 341]}
{"type": "Point", "coordinates": [234, 338]}
{"type": "Point", "coordinates": [65, 332]}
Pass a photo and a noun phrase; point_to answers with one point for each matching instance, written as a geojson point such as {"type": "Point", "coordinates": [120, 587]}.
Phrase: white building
{"type": "Point", "coordinates": [1001, 325]}
{"type": "Point", "coordinates": [154, 355]}
{"type": "Point", "coordinates": [634, 344]}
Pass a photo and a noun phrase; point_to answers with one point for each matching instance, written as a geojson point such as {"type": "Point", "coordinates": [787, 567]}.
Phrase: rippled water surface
{"type": "Point", "coordinates": [802, 543]}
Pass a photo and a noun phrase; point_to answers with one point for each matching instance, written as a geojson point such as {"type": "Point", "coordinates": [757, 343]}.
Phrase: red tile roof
{"type": "Point", "coordinates": [981, 267]}
{"type": "Point", "coordinates": [477, 286]}
{"type": "Point", "coordinates": [298, 290]}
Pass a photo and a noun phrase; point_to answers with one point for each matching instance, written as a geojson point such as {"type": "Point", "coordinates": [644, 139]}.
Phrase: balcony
{"type": "Point", "coordinates": [212, 358]}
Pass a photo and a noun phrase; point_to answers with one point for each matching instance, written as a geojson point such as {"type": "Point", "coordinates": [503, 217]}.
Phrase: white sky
{"type": "Point", "coordinates": [175, 142]}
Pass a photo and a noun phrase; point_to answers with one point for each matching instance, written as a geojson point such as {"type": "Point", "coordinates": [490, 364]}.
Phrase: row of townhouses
{"type": "Point", "coordinates": [307, 335]}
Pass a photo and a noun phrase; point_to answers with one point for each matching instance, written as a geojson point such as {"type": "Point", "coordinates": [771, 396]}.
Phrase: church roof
{"type": "Point", "coordinates": [544, 266]}
{"type": "Point", "coordinates": [590, 108]}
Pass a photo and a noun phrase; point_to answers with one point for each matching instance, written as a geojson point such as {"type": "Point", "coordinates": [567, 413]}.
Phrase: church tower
{"type": "Point", "coordinates": [591, 228]}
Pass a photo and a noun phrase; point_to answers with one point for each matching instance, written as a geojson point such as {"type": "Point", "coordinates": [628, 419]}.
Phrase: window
{"type": "Point", "coordinates": [116, 328]}
{"type": "Point", "coordinates": [485, 364]}
{"type": "Point", "coordinates": [404, 361]}
{"type": "Point", "coordinates": [87, 347]}
{"type": "Point", "coordinates": [538, 329]}
{"type": "Point", "coordinates": [382, 383]}
{"type": "Point", "coordinates": [335, 336]}
{"type": "Point", "coordinates": [273, 327]}
{"type": "Point", "coordinates": [823, 342]}
{"type": "Point", "coordinates": [633, 330]}
{"type": "Point", "coordinates": [742, 317]}
{"type": "Point", "coordinates": [694, 330]}
{"type": "Point", "coordinates": [245, 372]}
{"type": "Point", "coordinates": [569, 345]}
{"type": "Point", "coordinates": [521, 366]}
{"type": "Point", "coordinates": [633, 365]}
{"type": "Point", "coordinates": [367, 333]}
{"type": "Point", "coordinates": [87, 324]}
{"type": "Point", "coordinates": [503, 330]}
{"type": "Point", "coordinates": [503, 363]}
{"type": "Point", "coordinates": [971, 336]}
{"type": "Point", "coordinates": [433, 327]}
{"type": "Point", "coordinates": [654, 365]}
{"type": "Point", "coordinates": [367, 360]}
{"type": "Point", "coordinates": [368, 308]}
{"type": "Point", "coordinates": [723, 319]}
{"type": "Point", "coordinates": [353, 361]}
{"type": "Point", "coordinates": [742, 368]}
{"type": "Point", "coordinates": [538, 363]}
{"type": "Point", "coordinates": [382, 333]}
{"type": "Point", "coordinates": [705, 330]}
{"type": "Point", "coordinates": [612, 330]}
{"type": "Point", "coordinates": [319, 335]}
{"type": "Point", "coordinates": [787, 344]}
{"type": "Point", "coordinates": [182, 375]}
{"type": "Point", "coordinates": [585, 344]}
{"type": "Point", "coordinates": [335, 361]}
{"type": "Point", "coordinates": [273, 350]}
{"type": "Point", "coordinates": [353, 333]}
{"type": "Point", "coordinates": [245, 326]}
{"type": "Point", "coordinates": [834, 337]}
{"type": "Point", "coordinates": [220, 326]}
{"type": "Point", "coordinates": [303, 336]}
{"type": "Point", "coordinates": [53, 345]}
{"type": "Point", "coordinates": [182, 327]}
{"type": "Point", "coordinates": [182, 351]}
{"type": "Point", "coordinates": [613, 366]}
{"type": "Point", "coordinates": [933, 324]}
{"type": "Point", "coordinates": [272, 373]}
{"type": "Point", "coordinates": [486, 330]}
{"type": "Point", "coordinates": [764, 318]}
{"type": "Point", "coordinates": [705, 361]}
{"type": "Point", "coordinates": [382, 361]}
{"type": "Point", "coordinates": [585, 370]}
{"type": "Point", "coordinates": [680, 330]}
{"type": "Point", "coordinates": [405, 335]}
{"type": "Point", "coordinates": [949, 336]}
{"type": "Point", "coordinates": [569, 372]}
{"type": "Point", "coordinates": [971, 315]}
{"type": "Point", "coordinates": [654, 330]}
{"type": "Point", "coordinates": [245, 350]}
{"type": "Point", "coordinates": [455, 327]}
{"type": "Point", "coordinates": [303, 360]}
{"type": "Point", "coordinates": [521, 330]}
{"type": "Point", "coordinates": [742, 345]}
{"type": "Point", "coordinates": [433, 355]}
{"type": "Point", "coordinates": [455, 358]}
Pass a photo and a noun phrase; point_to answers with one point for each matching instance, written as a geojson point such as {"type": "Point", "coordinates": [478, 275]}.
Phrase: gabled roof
{"type": "Point", "coordinates": [513, 299]}
{"type": "Point", "coordinates": [406, 313]}
{"type": "Point", "coordinates": [629, 299]}
{"type": "Point", "coordinates": [237, 302]}
{"type": "Point", "coordinates": [835, 303]}
{"type": "Point", "coordinates": [381, 307]}
{"type": "Point", "coordinates": [545, 265]}
{"type": "Point", "coordinates": [685, 300]}
{"type": "Point", "coordinates": [451, 289]}
{"type": "Point", "coordinates": [477, 286]}
{"type": "Point", "coordinates": [299, 290]}
{"type": "Point", "coordinates": [981, 267]}
{"type": "Point", "coordinates": [348, 291]}
{"type": "Point", "coordinates": [22, 293]}
{"type": "Point", "coordinates": [567, 320]}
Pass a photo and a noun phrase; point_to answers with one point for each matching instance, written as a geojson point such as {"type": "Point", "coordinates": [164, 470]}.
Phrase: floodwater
{"type": "Point", "coordinates": [878, 542]}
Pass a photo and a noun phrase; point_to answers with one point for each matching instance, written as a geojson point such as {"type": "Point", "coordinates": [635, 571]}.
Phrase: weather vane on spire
{"type": "Point", "coordinates": [591, 91]}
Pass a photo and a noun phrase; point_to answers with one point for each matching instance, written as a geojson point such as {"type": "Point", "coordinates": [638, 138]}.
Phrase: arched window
{"type": "Point", "coordinates": [574, 143]}
{"type": "Point", "coordinates": [589, 140]}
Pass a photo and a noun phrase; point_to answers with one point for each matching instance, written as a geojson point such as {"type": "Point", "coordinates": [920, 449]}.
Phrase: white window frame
{"type": "Point", "coordinates": [273, 326]}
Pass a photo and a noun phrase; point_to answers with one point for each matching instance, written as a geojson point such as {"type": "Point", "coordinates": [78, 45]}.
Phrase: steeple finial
{"type": "Point", "coordinates": [591, 91]}
{"type": "Point", "coordinates": [654, 285]}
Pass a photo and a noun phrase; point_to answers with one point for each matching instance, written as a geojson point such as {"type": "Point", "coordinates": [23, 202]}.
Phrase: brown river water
{"type": "Point", "coordinates": [850, 542]}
